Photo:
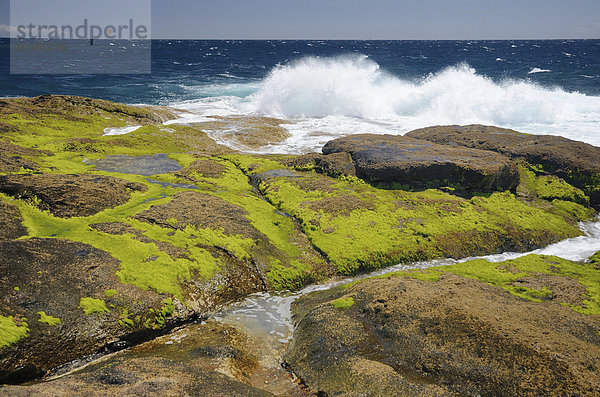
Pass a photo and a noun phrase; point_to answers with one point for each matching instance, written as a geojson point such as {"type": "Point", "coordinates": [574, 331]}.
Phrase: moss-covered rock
{"type": "Point", "coordinates": [54, 289]}
{"type": "Point", "coordinates": [437, 333]}
{"type": "Point", "coordinates": [13, 157]}
{"type": "Point", "coordinates": [121, 237]}
{"type": "Point", "coordinates": [575, 162]}
{"type": "Point", "coordinates": [359, 227]}
{"type": "Point", "coordinates": [69, 195]}
{"type": "Point", "coordinates": [394, 159]}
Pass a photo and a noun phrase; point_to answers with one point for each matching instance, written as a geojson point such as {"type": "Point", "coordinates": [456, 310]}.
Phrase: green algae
{"type": "Point", "coordinates": [165, 312]}
{"type": "Point", "coordinates": [567, 209]}
{"type": "Point", "coordinates": [11, 332]}
{"type": "Point", "coordinates": [511, 274]}
{"type": "Point", "coordinates": [389, 227]}
{"type": "Point", "coordinates": [110, 293]}
{"type": "Point", "coordinates": [343, 303]}
{"type": "Point", "coordinates": [386, 226]}
{"type": "Point", "coordinates": [507, 274]}
{"type": "Point", "coordinates": [548, 187]}
{"type": "Point", "coordinates": [50, 320]}
{"type": "Point", "coordinates": [92, 305]}
{"type": "Point", "coordinates": [163, 274]}
{"type": "Point", "coordinates": [595, 259]}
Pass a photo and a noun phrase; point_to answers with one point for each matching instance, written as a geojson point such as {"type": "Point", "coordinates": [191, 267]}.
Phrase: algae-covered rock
{"type": "Point", "coordinates": [10, 222]}
{"type": "Point", "coordinates": [74, 106]}
{"type": "Point", "coordinates": [246, 132]}
{"type": "Point", "coordinates": [576, 162]}
{"type": "Point", "coordinates": [69, 195]}
{"type": "Point", "coordinates": [210, 360]}
{"type": "Point", "coordinates": [334, 164]}
{"type": "Point", "coordinates": [122, 237]}
{"type": "Point", "coordinates": [391, 159]}
{"type": "Point", "coordinates": [434, 332]}
{"type": "Point", "coordinates": [68, 299]}
{"type": "Point", "coordinates": [359, 227]}
{"type": "Point", "coordinates": [14, 158]}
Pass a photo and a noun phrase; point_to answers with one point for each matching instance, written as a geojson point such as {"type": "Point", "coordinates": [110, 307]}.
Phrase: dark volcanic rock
{"type": "Point", "coordinates": [453, 336]}
{"type": "Point", "coordinates": [392, 159]}
{"type": "Point", "coordinates": [10, 222]}
{"type": "Point", "coordinates": [51, 276]}
{"type": "Point", "coordinates": [70, 195]}
{"type": "Point", "coordinates": [576, 162]}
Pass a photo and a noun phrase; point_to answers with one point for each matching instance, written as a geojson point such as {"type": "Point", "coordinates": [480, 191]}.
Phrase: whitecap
{"type": "Point", "coordinates": [337, 96]}
{"type": "Point", "coordinates": [538, 70]}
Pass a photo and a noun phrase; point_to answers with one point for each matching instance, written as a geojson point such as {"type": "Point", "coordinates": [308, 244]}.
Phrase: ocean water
{"type": "Point", "coordinates": [335, 88]}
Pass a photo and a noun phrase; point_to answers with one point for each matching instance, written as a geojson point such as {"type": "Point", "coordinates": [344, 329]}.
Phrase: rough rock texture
{"type": "Point", "coordinates": [576, 162]}
{"type": "Point", "coordinates": [67, 104]}
{"type": "Point", "coordinates": [10, 222]}
{"type": "Point", "coordinates": [51, 276]}
{"type": "Point", "coordinates": [115, 259]}
{"type": "Point", "coordinates": [454, 336]}
{"type": "Point", "coordinates": [360, 227]}
{"type": "Point", "coordinates": [14, 158]}
{"type": "Point", "coordinates": [393, 159]}
{"type": "Point", "coordinates": [246, 132]}
{"type": "Point", "coordinates": [203, 211]}
{"type": "Point", "coordinates": [334, 164]}
{"type": "Point", "coordinates": [208, 360]}
{"type": "Point", "coordinates": [69, 195]}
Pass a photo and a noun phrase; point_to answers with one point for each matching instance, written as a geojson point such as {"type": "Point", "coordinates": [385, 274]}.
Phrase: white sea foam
{"type": "Point", "coordinates": [538, 70]}
{"type": "Point", "coordinates": [332, 97]}
{"type": "Point", "coordinates": [121, 131]}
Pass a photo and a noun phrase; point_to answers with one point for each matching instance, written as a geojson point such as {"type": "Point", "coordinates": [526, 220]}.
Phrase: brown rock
{"type": "Point", "coordinates": [51, 276]}
{"type": "Point", "coordinates": [576, 162]}
{"type": "Point", "coordinates": [10, 222]}
{"type": "Point", "coordinates": [69, 195]}
{"type": "Point", "coordinates": [451, 336]}
{"type": "Point", "coordinates": [391, 159]}
{"type": "Point", "coordinates": [14, 158]}
{"type": "Point", "coordinates": [202, 360]}
{"type": "Point", "coordinates": [333, 164]}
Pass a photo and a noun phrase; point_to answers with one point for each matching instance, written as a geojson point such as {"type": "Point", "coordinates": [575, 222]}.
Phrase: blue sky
{"type": "Point", "coordinates": [374, 19]}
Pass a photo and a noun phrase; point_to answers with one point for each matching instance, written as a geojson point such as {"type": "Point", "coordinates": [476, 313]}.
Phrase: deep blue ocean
{"type": "Point", "coordinates": [330, 88]}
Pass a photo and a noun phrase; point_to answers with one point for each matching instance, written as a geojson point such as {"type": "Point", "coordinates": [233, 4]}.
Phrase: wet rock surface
{"type": "Point", "coordinates": [246, 132]}
{"type": "Point", "coordinates": [576, 162]}
{"type": "Point", "coordinates": [139, 165]}
{"type": "Point", "coordinates": [454, 336]}
{"type": "Point", "coordinates": [69, 195]}
{"type": "Point", "coordinates": [392, 159]}
{"type": "Point", "coordinates": [57, 290]}
{"type": "Point", "coordinates": [211, 360]}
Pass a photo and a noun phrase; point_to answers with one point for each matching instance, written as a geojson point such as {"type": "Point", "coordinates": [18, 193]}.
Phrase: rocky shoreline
{"type": "Point", "coordinates": [108, 241]}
